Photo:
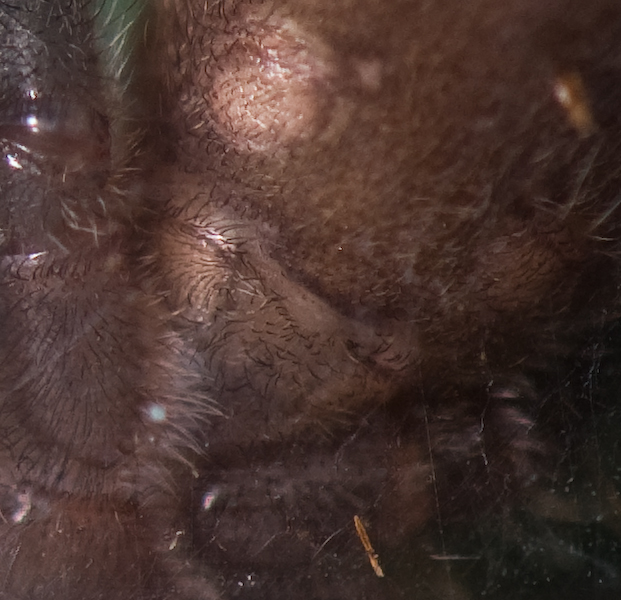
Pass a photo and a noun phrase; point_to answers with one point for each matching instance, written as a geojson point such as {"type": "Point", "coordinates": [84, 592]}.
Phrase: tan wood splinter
{"type": "Point", "coordinates": [364, 538]}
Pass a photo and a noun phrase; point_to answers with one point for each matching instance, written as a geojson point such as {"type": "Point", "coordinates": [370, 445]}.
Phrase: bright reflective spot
{"type": "Point", "coordinates": [173, 543]}
{"type": "Point", "coordinates": [157, 413]}
{"type": "Point", "coordinates": [13, 162]}
{"type": "Point", "coordinates": [250, 581]}
{"type": "Point", "coordinates": [24, 508]}
{"type": "Point", "coordinates": [209, 498]}
{"type": "Point", "coordinates": [32, 123]}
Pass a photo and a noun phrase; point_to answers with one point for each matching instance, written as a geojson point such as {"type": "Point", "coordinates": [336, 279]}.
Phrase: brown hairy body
{"type": "Point", "coordinates": [284, 267]}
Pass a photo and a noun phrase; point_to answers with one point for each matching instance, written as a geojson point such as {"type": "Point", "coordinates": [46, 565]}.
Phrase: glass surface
{"type": "Point", "coordinates": [310, 300]}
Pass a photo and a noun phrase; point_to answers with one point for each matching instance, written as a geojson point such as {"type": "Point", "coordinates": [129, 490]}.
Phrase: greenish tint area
{"type": "Point", "coordinates": [117, 25]}
{"type": "Point", "coordinates": [118, 28]}
{"type": "Point", "coordinates": [119, 13]}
